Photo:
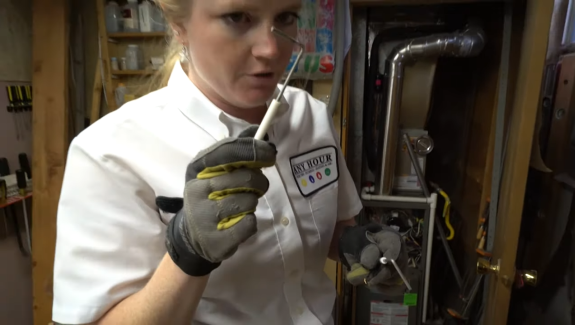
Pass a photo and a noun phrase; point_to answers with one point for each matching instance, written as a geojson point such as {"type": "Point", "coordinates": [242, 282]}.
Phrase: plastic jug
{"type": "Point", "coordinates": [121, 92]}
{"type": "Point", "coordinates": [145, 12]}
{"type": "Point", "coordinates": [114, 18]}
{"type": "Point", "coordinates": [130, 14]}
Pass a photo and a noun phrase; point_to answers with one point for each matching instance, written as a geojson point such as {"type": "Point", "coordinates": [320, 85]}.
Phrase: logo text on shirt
{"type": "Point", "coordinates": [315, 169]}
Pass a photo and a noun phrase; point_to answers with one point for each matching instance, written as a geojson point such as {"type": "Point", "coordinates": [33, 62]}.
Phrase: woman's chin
{"type": "Point", "coordinates": [256, 97]}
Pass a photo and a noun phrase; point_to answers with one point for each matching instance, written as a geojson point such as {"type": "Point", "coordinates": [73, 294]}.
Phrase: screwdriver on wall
{"type": "Point", "coordinates": [28, 109]}
{"type": "Point", "coordinates": [12, 109]}
{"type": "Point", "coordinates": [23, 107]}
{"type": "Point", "coordinates": [18, 110]}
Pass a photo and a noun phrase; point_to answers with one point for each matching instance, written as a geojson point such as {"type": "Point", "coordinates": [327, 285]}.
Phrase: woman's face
{"type": "Point", "coordinates": [235, 58]}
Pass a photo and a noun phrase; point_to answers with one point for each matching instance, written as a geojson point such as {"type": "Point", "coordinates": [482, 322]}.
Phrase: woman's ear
{"type": "Point", "coordinates": [179, 33]}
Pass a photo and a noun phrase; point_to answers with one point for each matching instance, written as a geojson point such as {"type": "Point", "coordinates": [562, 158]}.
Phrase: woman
{"type": "Point", "coordinates": [128, 254]}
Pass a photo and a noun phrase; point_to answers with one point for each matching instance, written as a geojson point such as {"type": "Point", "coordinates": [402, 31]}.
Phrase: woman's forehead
{"type": "Point", "coordinates": [253, 5]}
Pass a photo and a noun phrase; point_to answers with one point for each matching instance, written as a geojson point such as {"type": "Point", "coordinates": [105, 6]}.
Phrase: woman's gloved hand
{"type": "Point", "coordinates": [360, 249]}
{"type": "Point", "coordinates": [223, 185]}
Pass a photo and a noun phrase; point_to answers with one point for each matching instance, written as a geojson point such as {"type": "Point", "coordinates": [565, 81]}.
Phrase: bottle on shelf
{"type": "Point", "coordinates": [120, 93]}
{"type": "Point", "coordinates": [158, 21]}
{"type": "Point", "coordinates": [134, 57]}
{"type": "Point", "coordinates": [145, 10]}
{"type": "Point", "coordinates": [130, 14]}
{"type": "Point", "coordinates": [114, 18]}
{"type": "Point", "coordinates": [115, 64]}
{"type": "Point", "coordinates": [123, 63]}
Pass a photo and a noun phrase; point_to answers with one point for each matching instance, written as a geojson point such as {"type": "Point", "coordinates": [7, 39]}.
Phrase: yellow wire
{"type": "Point", "coordinates": [446, 214]}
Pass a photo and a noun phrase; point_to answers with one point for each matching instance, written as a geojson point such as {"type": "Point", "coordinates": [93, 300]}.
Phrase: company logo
{"type": "Point", "coordinates": [311, 165]}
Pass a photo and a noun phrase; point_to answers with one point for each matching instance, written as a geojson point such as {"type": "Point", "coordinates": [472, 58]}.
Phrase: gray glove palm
{"type": "Point", "coordinates": [223, 185]}
{"type": "Point", "coordinates": [361, 248]}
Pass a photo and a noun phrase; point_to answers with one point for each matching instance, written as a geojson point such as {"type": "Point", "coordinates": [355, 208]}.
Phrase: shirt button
{"type": "Point", "coordinates": [285, 221]}
{"type": "Point", "coordinates": [300, 311]}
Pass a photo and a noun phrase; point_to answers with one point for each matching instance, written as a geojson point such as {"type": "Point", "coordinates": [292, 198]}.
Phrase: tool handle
{"type": "Point", "coordinates": [479, 232]}
{"type": "Point", "coordinates": [268, 119]}
{"type": "Point", "coordinates": [481, 243]}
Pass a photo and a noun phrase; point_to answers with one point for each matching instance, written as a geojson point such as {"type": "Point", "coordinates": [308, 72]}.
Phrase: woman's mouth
{"type": "Point", "coordinates": [262, 80]}
{"type": "Point", "coordinates": [264, 75]}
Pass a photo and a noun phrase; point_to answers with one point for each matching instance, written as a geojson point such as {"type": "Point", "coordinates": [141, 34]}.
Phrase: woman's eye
{"type": "Point", "coordinates": [237, 18]}
{"type": "Point", "coordinates": [287, 18]}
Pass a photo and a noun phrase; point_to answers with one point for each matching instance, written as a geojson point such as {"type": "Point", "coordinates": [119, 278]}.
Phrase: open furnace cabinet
{"type": "Point", "coordinates": [434, 72]}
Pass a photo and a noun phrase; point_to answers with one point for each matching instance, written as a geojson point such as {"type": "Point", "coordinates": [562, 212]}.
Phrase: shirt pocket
{"type": "Point", "coordinates": [323, 206]}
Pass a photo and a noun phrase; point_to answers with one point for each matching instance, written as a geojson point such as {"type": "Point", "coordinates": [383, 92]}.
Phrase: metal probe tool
{"type": "Point", "coordinates": [275, 104]}
{"type": "Point", "coordinates": [384, 261]}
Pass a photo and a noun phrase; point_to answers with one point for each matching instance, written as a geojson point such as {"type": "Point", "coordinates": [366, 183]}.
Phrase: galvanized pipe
{"type": "Point", "coordinates": [467, 43]}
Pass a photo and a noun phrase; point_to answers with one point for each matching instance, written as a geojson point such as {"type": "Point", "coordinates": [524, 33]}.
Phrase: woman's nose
{"type": "Point", "coordinates": [266, 47]}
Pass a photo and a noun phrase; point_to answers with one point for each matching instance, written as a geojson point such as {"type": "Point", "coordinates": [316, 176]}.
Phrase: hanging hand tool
{"type": "Point", "coordinates": [446, 210]}
{"type": "Point", "coordinates": [19, 110]}
{"type": "Point", "coordinates": [12, 109]}
{"type": "Point", "coordinates": [28, 101]}
{"type": "Point", "coordinates": [425, 189]}
{"type": "Point", "coordinates": [24, 105]}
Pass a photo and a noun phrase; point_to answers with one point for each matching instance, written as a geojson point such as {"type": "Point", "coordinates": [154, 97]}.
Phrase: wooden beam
{"type": "Point", "coordinates": [96, 95]}
{"type": "Point", "coordinates": [50, 123]}
{"type": "Point", "coordinates": [105, 61]}
{"type": "Point", "coordinates": [526, 101]}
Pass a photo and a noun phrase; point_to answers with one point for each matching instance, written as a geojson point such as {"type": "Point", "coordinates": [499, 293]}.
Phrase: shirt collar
{"type": "Point", "coordinates": [198, 108]}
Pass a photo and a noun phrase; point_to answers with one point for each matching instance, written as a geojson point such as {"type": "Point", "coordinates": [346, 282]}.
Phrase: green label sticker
{"type": "Point", "coordinates": [328, 171]}
{"type": "Point", "coordinates": [410, 299]}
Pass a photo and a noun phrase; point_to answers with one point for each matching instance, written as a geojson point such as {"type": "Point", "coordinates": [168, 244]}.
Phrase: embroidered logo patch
{"type": "Point", "coordinates": [315, 169]}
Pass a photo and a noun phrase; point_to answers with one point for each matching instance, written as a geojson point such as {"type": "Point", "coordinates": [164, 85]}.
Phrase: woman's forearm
{"type": "Point", "coordinates": [170, 297]}
{"type": "Point", "coordinates": [333, 253]}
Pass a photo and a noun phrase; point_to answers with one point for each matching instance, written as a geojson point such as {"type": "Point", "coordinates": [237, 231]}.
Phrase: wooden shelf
{"type": "Point", "coordinates": [133, 72]}
{"type": "Point", "coordinates": [137, 35]}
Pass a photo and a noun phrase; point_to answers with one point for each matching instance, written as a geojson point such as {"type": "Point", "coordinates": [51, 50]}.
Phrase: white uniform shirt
{"type": "Point", "coordinates": [110, 234]}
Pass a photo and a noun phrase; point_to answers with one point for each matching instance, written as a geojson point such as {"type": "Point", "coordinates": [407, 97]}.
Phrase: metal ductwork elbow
{"type": "Point", "coordinates": [466, 43]}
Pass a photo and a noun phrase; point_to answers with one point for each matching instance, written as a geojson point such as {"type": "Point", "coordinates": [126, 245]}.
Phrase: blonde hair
{"type": "Point", "coordinates": [176, 13]}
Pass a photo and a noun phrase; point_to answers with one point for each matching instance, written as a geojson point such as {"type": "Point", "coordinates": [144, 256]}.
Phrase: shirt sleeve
{"type": "Point", "coordinates": [349, 202]}
{"type": "Point", "coordinates": [110, 237]}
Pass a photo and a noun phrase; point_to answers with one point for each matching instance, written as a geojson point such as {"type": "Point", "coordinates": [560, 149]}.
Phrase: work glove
{"type": "Point", "coordinates": [216, 214]}
{"type": "Point", "coordinates": [362, 247]}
